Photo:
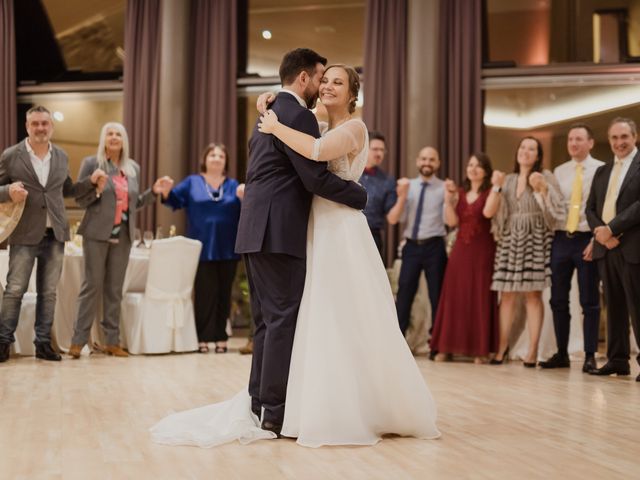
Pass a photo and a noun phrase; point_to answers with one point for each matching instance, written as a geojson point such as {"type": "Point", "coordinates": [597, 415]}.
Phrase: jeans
{"type": "Point", "coordinates": [50, 254]}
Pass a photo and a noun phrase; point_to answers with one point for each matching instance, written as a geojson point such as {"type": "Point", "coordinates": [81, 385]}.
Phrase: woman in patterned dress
{"type": "Point", "coordinates": [522, 202]}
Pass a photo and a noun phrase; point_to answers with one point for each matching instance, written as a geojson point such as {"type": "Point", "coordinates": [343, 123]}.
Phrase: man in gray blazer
{"type": "Point", "coordinates": [36, 172]}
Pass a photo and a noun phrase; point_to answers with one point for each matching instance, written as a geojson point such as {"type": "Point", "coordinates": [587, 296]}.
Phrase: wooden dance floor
{"type": "Point", "coordinates": [89, 419]}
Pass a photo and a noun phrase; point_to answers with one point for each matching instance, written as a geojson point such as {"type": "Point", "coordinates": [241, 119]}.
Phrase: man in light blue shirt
{"type": "Point", "coordinates": [424, 233]}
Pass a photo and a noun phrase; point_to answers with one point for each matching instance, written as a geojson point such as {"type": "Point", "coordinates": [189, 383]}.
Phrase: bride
{"type": "Point", "coordinates": [352, 377]}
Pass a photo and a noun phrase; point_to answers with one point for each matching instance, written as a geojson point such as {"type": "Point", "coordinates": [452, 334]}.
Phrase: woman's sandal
{"type": "Point", "coordinates": [203, 348]}
{"type": "Point", "coordinates": [220, 349]}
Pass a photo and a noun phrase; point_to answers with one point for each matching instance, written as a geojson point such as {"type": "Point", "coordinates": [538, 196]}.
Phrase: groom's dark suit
{"type": "Point", "coordinates": [619, 268]}
{"type": "Point", "coordinates": [273, 236]}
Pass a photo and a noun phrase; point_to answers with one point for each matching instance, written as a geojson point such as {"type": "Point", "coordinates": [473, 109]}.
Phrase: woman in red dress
{"type": "Point", "coordinates": [467, 318]}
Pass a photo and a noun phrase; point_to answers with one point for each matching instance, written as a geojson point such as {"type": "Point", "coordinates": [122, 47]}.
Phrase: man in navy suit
{"type": "Point", "coordinates": [272, 233]}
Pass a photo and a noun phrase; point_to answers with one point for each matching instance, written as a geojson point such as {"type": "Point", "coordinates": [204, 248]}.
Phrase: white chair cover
{"type": "Point", "coordinates": [25, 332]}
{"type": "Point", "coordinates": [161, 319]}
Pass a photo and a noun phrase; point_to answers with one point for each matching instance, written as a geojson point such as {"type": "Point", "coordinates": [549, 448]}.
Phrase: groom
{"type": "Point", "coordinates": [272, 233]}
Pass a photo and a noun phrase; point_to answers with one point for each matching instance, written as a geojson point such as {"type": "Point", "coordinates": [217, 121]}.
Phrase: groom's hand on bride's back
{"type": "Point", "coordinates": [264, 100]}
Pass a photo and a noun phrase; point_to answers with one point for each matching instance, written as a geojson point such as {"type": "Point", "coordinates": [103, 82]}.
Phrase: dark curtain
{"type": "Point", "coordinates": [141, 87]}
{"type": "Point", "coordinates": [461, 98]}
{"type": "Point", "coordinates": [8, 115]}
{"type": "Point", "coordinates": [385, 72]}
{"type": "Point", "coordinates": [213, 107]}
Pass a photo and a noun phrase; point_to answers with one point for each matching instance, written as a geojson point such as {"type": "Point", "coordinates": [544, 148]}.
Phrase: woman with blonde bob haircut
{"type": "Point", "coordinates": [107, 229]}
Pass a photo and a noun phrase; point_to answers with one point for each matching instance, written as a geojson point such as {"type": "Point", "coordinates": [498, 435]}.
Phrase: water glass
{"type": "Point", "coordinates": [147, 238]}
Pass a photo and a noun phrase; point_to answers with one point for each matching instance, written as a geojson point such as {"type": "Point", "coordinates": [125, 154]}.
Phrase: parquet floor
{"type": "Point", "coordinates": [89, 419]}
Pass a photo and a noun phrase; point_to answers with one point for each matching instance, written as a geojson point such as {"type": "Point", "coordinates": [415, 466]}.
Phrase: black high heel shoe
{"type": "Point", "coordinates": [495, 361]}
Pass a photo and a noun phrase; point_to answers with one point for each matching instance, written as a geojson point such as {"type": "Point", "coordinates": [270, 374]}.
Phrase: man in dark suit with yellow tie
{"type": "Point", "coordinates": [613, 212]}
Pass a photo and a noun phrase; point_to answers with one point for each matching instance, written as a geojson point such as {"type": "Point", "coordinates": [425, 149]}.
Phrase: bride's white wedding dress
{"type": "Point", "coordinates": [352, 377]}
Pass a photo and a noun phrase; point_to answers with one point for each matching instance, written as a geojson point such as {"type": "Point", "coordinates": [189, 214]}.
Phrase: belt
{"type": "Point", "coordinates": [575, 234]}
{"type": "Point", "coordinates": [423, 241]}
{"type": "Point", "coordinates": [48, 232]}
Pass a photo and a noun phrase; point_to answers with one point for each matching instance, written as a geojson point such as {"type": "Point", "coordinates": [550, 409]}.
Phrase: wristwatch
{"type": "Point", "coordinates": [496, 189]}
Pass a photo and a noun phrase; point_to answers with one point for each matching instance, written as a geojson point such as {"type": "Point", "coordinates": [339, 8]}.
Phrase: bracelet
{"type": "Point", "coordinates": [496, 189]}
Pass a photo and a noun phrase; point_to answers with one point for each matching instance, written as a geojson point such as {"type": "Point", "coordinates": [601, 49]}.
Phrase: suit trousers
{"type": "Point", "coordinates": [566, 256]}
{"type": "Point", "coordinates": [105, 265]}
{"type": "Point", "coordinates": [50, 255]}
{"type": "Point", "coordinates": [429, 256]}
{"type": "Point", "coordinates": [621, 281]}
{"type": "Point", "coordinates": [276, 283]}
{"type": "Point", "coordinates": [212, 299]}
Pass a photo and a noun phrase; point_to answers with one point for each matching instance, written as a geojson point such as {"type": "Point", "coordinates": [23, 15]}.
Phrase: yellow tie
{"type": "Point", "coordinates": [576, 200]}
{"type": "Point", "coordinates": [609, 208]}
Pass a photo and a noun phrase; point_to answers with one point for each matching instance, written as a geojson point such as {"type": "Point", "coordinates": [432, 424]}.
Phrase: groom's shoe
{"type": "Point", "coordinates": [609, 369]}
{"type": "Point", "coordinates": [272, 427]}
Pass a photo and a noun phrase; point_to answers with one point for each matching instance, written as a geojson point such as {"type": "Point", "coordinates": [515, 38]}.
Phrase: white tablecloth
{"type": "Point", "coordinates": [70, 284]}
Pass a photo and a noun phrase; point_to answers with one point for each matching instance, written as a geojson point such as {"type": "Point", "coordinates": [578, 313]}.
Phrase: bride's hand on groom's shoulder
{"type": "Point", "coordinates": [264, 100]}
{"type": "Point", "coordinates": [268, 122]}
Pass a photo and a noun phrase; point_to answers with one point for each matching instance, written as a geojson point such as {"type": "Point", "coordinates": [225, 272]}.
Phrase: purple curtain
{"type": "Point", "coordinates": [213, 105]}
{"type": "Point", "coordinates": [461, 98]}
{"type": "Point", "coordinates": [141, 86]}
{"type": "Point", "coordinates": [385, 72]}
{"type": "Point", "coordinates": [8, 115]}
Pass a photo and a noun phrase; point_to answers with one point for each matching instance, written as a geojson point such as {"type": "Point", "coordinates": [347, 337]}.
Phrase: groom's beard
{"type": "Point", "coordinates": [311, 98]}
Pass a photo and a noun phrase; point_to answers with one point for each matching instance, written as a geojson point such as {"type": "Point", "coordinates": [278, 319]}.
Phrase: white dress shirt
{"type": "Point", "coordinates": [41, 167]}
{"type": "Point", "coordinates": [566, 174]}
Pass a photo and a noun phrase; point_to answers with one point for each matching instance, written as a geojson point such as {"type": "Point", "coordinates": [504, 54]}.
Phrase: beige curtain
{"type": "Point", "coordinates": [141, 86]}
{"type": "Point", "coordinates": [213, 110]}
{"type": "Point", "coordinates": [8, 114]}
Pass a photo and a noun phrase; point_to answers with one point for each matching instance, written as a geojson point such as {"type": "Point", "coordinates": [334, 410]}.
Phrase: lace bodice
{"type": "Point", "coordinates": [348, 167]}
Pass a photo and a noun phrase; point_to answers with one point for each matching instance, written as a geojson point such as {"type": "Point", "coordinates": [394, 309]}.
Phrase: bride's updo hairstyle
{"type": "Point", "coordinates": [354, 83]}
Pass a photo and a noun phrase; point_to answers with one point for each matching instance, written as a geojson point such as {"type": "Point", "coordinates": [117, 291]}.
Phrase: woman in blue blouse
{"type": "Point", "coordinates": [212, 201]}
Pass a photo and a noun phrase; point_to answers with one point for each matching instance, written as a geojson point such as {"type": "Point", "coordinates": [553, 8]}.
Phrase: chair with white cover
{"type": "Point", "coordinates": [161, 319]}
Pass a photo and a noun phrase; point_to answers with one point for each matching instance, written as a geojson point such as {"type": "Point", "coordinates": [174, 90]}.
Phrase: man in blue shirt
{"type": "Point", "coordinates": [420, 209]}
{"type": "Point", "coordinates": [380, 187]}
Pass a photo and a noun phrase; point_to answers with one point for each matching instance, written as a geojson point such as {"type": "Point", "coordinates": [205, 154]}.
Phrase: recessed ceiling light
{"type": "Point", "coordinates": [266, 34]}
{"type": "Point", "coordinates": [58, 116]}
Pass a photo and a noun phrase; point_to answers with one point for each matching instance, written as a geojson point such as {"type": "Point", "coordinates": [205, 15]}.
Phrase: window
{"type": "Point", "coordinates": [69, 40]}
{"type": "Point", "coordinates": [333, 28]}
{"type": "Point", "coordinates": [544, 32]}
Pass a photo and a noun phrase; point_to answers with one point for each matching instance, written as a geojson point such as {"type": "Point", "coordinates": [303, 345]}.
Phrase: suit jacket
{"type": "Point", "coordinates": [280, 186]}
{"type": "Point", "coordinates": [15, 165]}
{"type": "Point", "coordinates": [97, 222]}
{"type": "Point", "coordinates": [626, 223]}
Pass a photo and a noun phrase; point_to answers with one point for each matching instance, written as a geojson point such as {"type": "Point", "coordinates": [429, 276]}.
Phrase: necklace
{"type": "Point", "coordinates": [214, 195]}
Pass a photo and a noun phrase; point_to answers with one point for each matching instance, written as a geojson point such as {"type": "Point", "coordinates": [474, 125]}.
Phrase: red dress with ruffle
{"type": "Point", "coordinates": [467, 317]}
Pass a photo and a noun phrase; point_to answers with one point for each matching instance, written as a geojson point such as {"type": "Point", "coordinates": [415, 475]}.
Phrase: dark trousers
{"type": "Point", "coordinates": [566, 256]}
{"type": "Point", "coordinates": [276, 283]}
{"type": "Point", "coordinates": [212, 299]}
{"type": "Point", "coordinates": [429, 256]}
{"type": "Point", "coordinates": [621, 281]}
{"type": "Point", "coordinates": [376, 233]}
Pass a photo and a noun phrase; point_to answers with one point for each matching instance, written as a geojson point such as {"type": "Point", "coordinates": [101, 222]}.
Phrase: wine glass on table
{"type": "Point", "coordinates": [137, 237]}
{"type": "Point", "coordinates": [147, 238]}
